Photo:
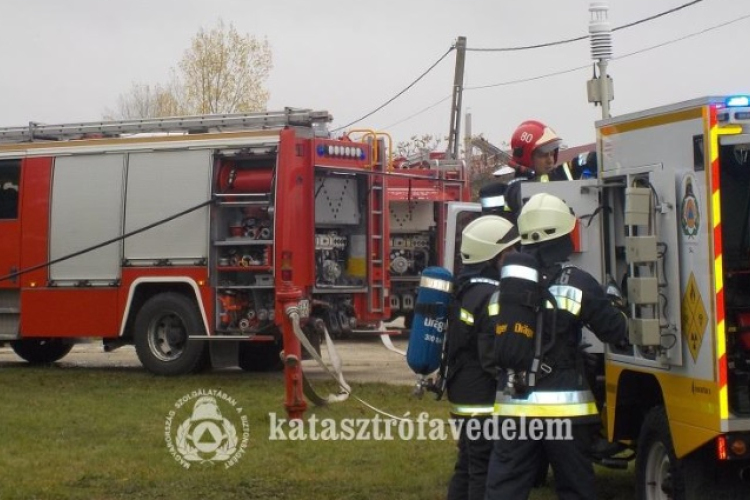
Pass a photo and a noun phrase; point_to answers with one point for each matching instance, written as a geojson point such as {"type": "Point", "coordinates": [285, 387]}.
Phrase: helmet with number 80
{"type": "Point", "coordinates": [531, 136]}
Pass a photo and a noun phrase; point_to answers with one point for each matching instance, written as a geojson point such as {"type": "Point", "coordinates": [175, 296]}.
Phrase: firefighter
{"type": "Point", "coordinates": [534, 152]}
{"type": "Point", "coordinates": [492, 199]}
{"type": "Point", "coordinates": [560, 391]}
{"type": "Point", "coordinates": [471, 380]}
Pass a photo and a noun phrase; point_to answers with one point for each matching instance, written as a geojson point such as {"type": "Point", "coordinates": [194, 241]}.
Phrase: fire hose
{"type": "Point", "coordinates": [386, 340]}
{"type": "Point", "coordinates": [335, 372]}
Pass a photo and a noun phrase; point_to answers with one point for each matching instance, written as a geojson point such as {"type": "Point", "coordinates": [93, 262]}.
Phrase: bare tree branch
{"type": "Point", "coordinates": [222, 71]}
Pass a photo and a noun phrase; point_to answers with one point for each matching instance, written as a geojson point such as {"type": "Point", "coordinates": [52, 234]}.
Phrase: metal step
{"type": "Point", "coordinates": [9, 326]}
{"type": "Point", "coordinates": [10, 318]}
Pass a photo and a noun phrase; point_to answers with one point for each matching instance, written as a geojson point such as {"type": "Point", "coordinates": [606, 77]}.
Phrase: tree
{"type": "Point", "coordinates": [144, 101]}
{"type": "Point", "coordinates": [418, 147]}
{"type": "Point", "coordinates": [224, 72]}
{"type": "Point", "coordinates": [221, 72]}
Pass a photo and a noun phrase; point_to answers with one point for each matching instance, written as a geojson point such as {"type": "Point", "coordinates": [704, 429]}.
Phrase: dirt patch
{"type": "Point", "coordinates": [363, 360]}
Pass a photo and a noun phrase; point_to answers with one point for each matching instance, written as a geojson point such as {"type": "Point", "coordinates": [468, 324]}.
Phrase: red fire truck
{"type": "Point", "coordinates": [418, 214]}
{"type": "Point", "coordinates": [200, 240]}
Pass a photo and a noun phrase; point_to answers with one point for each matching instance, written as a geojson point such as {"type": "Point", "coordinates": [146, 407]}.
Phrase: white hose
{"type": "Point", "coordinates": [345, 390]}
{"type": "Point", "coordinates": [337, 375]}
{"type": "Point", "coordinates": [386, 339]}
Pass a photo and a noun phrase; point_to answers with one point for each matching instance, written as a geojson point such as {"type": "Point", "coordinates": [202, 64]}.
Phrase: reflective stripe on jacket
{"type": "Point", "coordinates": [579, 300]}
{"type": "Point", "coordinates": [547, 404]}
{"type": "Point", "coordinates": [471, 410]}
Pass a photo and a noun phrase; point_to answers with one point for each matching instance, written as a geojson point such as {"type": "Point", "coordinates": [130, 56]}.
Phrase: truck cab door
{"type": "Point", "coordinates": [10, 222]}
{"type": "Point", "coordinates": [10, 247]}
{"type": "Point", "coordinates": [459, 214]}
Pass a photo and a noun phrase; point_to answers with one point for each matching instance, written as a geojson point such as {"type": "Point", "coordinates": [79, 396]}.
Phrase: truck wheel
{"type": "Point", "coordinates": [161, 335]}
{"type": "Point", "coordinates": [41, 351]}
{"type": "Point", "coordinates": [260, 357]}
{"type": "Point", "coordinates": [659, 475]}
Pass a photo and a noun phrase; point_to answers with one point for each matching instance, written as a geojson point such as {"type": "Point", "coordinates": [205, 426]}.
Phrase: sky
{"type": "Point", "coordinates": [68, 61]}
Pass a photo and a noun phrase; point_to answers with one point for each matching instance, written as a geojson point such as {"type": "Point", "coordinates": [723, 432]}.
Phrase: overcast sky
{"type": "Point", "coordinates": [69, 60]}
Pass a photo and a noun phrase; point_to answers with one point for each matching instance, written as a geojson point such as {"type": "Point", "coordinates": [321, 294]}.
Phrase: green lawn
{"type": "Point", "coordinates": [84, 433]}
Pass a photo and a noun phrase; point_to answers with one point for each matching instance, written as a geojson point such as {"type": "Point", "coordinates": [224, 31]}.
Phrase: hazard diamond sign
{"type": "Point", "coordinates": [694, 317]}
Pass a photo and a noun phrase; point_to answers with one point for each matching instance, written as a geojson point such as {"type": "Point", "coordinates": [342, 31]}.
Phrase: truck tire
{"type": "Point", "coordinates": [161, 335]}
{"type": "Point", "coordinates": [659, 474]}
{"type": "Point", "coordinates": [41, 351]}
{"type": "Point", "coordinates": [260, 357]}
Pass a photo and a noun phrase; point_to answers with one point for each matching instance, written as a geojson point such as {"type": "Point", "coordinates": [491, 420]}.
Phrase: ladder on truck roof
{"type": "Point", "coordinates": [196, 123]}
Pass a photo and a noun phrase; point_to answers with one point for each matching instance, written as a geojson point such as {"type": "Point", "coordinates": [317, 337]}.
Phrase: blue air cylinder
{"type": "Point", "coordinates": [430, 320]}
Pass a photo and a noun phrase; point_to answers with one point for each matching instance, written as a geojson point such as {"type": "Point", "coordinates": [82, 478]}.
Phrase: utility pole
{"type": "Point", "coordinates": [458, 87]}
{"type": "Point", "coordinates": [600, 90]}
{"type": "Point", "coordinates": [467, 141]}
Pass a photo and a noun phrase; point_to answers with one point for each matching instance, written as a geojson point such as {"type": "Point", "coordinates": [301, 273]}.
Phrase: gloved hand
{"type": "Point", "coordinates": [615, 294]}
{"type": "Point", "coordinates": [623, 344]}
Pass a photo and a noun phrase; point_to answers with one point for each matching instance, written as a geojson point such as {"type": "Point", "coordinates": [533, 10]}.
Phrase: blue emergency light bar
{"type": "Point", "coordinates": [738, 101]}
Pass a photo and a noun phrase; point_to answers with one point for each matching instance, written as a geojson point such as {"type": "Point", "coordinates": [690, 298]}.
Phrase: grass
{"type": "Point", "coordinates": [85, 433]}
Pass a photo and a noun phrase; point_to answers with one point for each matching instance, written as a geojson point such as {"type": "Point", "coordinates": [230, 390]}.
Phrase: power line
{"type": "Point", "coordinates": [689, 4]}
{"type": "Point", "coordinates": [640, 51]}
{"type": "Point", "coordinates": [386, 103]}
{"type": "Point", "coordinates": [571, 70]}
{"type": "Point", "coordinates": [583, 37]}
{"type": "Point", "coordinates": [506, 49]}
{"type": "Point", "coordinates": [685, 37]}
{"type": "Point", "coordinates": [529, 79]}
{"type": "Point", "coordinates": [419, 112]}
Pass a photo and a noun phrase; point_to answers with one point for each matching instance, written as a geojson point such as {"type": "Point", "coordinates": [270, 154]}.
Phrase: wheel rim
{"type": "Point", "coordinates": [658, 476]}
{"type": "Point", "coordinates": [167, 337]}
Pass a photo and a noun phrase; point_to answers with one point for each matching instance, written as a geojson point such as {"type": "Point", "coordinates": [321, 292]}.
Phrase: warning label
{"type": "Point", "coordinates": [694, 317]}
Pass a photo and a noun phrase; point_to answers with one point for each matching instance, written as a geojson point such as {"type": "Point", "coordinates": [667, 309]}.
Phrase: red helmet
{"type": "Point", "coordinates": [530, 136]}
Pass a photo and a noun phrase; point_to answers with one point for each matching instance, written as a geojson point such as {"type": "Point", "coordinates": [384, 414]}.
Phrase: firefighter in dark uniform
{"type": "Point", "coordinates": [561, 391]}
{"type": "Point", "coordinates": [492, 199]}
{"type": "Point", "coordinates": [471, 379]}
{"type": "Point", "coordinates": [534, 150]}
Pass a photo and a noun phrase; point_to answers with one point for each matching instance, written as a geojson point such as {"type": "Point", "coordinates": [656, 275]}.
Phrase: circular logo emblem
{"type": "Point", "coordinates": [203, 426]}
{"type": "Point", "coordinates": [690, 219]}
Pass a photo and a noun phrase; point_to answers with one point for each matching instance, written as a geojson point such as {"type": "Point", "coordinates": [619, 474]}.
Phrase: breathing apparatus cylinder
{"type": "Point", "coordinates": [430, 320]}
{"type": "Point", "coordinates": [515, 329]}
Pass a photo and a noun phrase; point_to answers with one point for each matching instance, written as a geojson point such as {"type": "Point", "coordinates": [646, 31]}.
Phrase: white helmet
{"type": "Point", "coordinates": [545, 217]}
{"type": "Point", "coordinates": [485, 237]}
